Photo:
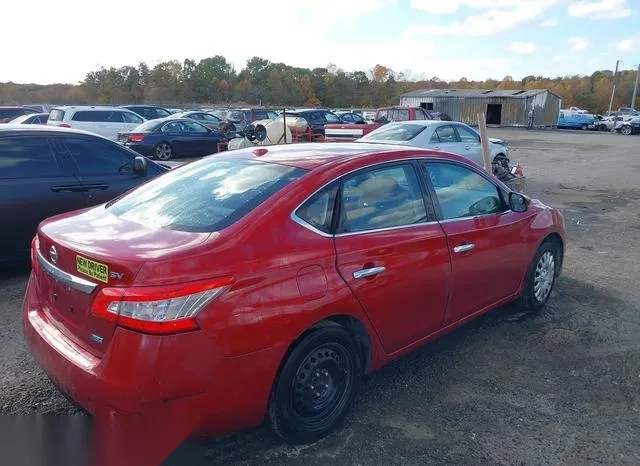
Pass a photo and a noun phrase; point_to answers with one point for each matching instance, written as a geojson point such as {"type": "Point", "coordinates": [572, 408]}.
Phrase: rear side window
{"type": "Point", "coordinates": [204, 196]}
{"type": "Point", "coordinates": [27, 157]}
{"type": "Point", "coordinates": [90, 116]}
{"type": "Point", "coordinates": [317, 211]}
{"type": "Point", "coordinates": [56, 115]}
{"type": "Point", "coordinates": [127, 117]}
{"type": "Point", "coordinates": [99, 158]}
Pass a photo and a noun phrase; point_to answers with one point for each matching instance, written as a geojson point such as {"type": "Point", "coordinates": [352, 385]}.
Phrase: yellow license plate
{"type": "Point", "coordinates": [92, 269]}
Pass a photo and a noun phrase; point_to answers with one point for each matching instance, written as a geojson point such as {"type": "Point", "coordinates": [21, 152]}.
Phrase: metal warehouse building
{"type": "Point", "coordinates": [501, 107]}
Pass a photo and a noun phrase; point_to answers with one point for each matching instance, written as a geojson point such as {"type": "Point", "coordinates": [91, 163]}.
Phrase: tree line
{"type": "Point", "coordinates": [214, 81]}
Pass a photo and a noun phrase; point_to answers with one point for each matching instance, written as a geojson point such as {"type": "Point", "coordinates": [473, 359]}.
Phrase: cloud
{"type": "Point", "coordinates": [559, 58]}
{"type": "Point", "coordinates": [501, 15]}
{"type": "Point", "coordinates": [551, 22]}
{"type": "Point", "coordinates": [578, 44]}
{"type": "Point", "coordinates": [600, 9]}
{"type": "Point", "coordinates": [451, 6]}
{"type": "Point", "coordinates": [522, 47]}
{"type": "Point", "coordinates": [630, 44]}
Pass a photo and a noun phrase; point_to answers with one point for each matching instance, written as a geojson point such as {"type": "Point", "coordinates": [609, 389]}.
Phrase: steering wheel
{"type": "Point", "coordinates": [486, 205]}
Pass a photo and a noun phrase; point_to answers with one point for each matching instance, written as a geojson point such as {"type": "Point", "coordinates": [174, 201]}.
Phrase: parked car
{"type": "Point", "coordinates": [575, 120]}
{"type": "Point", "coordinates": [241, 118]}
{"type": "Point", "coordinates": [148, 112]}
{"type": "Point", "coordinates": [45, 171]}
{"type": "Point", "coordinates": [609, 123]}
{"type": "Point", "coordinates": [8, 113]}
{"type": "Point", "coordinates": [172, 137]}
{"type": "Point", "coordinates": [384, 115]}
{"type": "Point", "coordinates": [31, 119]}
{"type": "Point", "coordinates": [316, 118]}
{"type": "Point", "coordinates": [447, 136]}
{"type": "Point", "coordinates": [39, 108]}
{"type": "Point", "coordinates": [104, 121]}
{"type": "Point", "coordinates": [628, 127]}
{"type": "Point", "coordinates": [208, 119]}
{"type": "Point", "coordinates": [246, 292]}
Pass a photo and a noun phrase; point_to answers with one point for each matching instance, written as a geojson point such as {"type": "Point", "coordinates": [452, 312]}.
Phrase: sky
{"type": "Point", "coordinates": [50, 41]}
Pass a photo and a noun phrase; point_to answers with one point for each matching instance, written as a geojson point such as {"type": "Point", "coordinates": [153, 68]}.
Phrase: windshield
{"type": "Point", "coordinates": [204, 196]}
{"type": "Point", "coordinates": [394, 132]}
{"type": "Point", "coordinates": [235, 116]}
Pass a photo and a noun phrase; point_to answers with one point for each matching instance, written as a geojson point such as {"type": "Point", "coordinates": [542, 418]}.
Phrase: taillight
{"type": "Point", "coordinates": [158, 310]}
{"type": "Point", "coordinates": [135, 137]}
{"type": "Point", "coordinates": [64, 125]}
{"type": "Point", "coordinates": [35, 245]}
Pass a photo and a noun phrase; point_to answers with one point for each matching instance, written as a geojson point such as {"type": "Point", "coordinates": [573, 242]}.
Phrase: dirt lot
{"type": "Point", "coordinates": [559, 387]}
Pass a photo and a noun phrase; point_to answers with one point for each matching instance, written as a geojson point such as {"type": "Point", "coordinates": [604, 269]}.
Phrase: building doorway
{"type": "Point", "coordinates": [427, 105]}
{"type": "Point", "coordinates": [494, 114]}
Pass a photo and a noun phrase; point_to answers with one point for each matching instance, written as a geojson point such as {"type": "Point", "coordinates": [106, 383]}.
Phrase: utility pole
{"type": "Point", "coordinates": [635, 89]}
{"type": "Point", "coordinates": [613, 91]}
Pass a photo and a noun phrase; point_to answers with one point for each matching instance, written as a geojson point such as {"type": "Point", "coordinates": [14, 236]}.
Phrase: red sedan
{"type": "Point", "coordinates": [261, 284]}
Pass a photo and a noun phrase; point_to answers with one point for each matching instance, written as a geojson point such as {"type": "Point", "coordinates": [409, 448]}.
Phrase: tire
{"type": "Point", "coordinates": [541, 276]}
{"type": "Point", "coordinates": [626, 130]}
{"type": "Point", "coordinates": [163, 151]}
{"type": "Point", "coordinates": [327, 360]}
{"type": "Point", "coordinates": [584, 127]}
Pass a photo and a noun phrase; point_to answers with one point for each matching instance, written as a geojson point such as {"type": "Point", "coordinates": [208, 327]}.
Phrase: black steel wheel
{"type": "Point", "coordinates": [316, 385]}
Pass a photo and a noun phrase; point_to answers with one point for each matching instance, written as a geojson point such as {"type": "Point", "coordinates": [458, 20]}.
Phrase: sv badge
{"type": "Point", "coordinates": [116, 275]}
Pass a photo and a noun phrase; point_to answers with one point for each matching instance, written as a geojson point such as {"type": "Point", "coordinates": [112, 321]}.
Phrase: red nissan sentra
{"type": "Point", "coordinates": [263, 283]}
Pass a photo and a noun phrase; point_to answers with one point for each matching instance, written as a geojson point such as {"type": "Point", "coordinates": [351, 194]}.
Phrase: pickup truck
{"type": "Point", "coordinates": [351, 132]}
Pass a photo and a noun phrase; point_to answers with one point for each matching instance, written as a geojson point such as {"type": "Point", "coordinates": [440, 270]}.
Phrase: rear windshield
{"type": "Point", "coordinates": [204, 196]}
{"type": "Point", "coordinates": [394, 132]}
{"type": "Point", "coordinates": [56, 115]}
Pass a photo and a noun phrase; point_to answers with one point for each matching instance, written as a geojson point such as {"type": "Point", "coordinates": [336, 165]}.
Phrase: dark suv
{"type": "Point", "coordinates": [317, 118]}
{"type": "Point", "coordinates": [10, 113]}
{"type": "Point", "coordinates": [148, 112]}
{"type": "Point", "coordinates": [45, 171]}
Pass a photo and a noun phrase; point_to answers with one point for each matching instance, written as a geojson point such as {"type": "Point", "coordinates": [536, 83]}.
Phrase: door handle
{"type": "Point", "coordinates": [436, 148]}
{"type": "Point", "coordinates": [74, 188]}
{"type": "Point", "coordinates": [368, 272]}
{"type": "Point", "coordinates": [467, 148]}
{"type": "Point", "coordinates": [464, 248]}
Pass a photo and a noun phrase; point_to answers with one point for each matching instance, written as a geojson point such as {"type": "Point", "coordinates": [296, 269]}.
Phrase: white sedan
{"type": "Point", "coordinates": [447, 136]}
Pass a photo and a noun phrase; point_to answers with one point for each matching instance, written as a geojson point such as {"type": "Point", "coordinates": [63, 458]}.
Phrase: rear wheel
{"type": "Point", "coordinates": [163, 151]}
{"type": "Point", "coordinates": [316, 385]}
{"type": "Point", "coordinates": [541, 276]}
{"type": "Point", "coordinates": [584, 127]}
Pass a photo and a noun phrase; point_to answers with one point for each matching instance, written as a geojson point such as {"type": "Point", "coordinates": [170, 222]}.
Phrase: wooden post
{"type": "Point", "coordinates": [482, 126]}
{"type": "Point", "coordinates": [284, 123]}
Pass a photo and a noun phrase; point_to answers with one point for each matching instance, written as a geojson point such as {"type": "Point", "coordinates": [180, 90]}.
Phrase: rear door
{"type": "Point", "coordinates": [487, 253]}
{"type": "Point", "coordinates": [392, 253]}
{"type": "Point", "coordinates": [445, 138]}
{"type": "Point", "coordinates": [105, 169]}
{"type": "Point", "coordinates": [34, 184]}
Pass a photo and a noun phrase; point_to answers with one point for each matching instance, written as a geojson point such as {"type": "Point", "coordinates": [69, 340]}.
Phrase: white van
{"type": "Point", "coordinates": [105, 121]}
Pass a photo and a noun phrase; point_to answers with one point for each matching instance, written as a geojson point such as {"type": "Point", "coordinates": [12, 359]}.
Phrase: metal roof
{"type": "Point", "coordinates": [477, 93]}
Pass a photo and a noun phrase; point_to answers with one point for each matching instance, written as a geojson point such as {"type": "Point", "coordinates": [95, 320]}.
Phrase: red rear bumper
{"type": "Point", "coordinates": [168, 377]}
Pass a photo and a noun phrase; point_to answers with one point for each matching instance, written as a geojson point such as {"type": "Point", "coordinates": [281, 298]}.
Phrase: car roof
{"type": "Point", "coordinates": [313, 155]}
{"type": "Point", "coordinates": [19, 129]}
{"type": "Point", "coordinates": [89, 108]}
{"type": "Point", "coordinates": [141, 106]}
{"type": "Point", "coordinates": [422, 123]}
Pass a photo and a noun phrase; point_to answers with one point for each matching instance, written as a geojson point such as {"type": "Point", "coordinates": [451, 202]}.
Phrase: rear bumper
{"type": "Point", "coordinates": [168, 377]}
{"type": "Point", "coordinates": [142, 149]}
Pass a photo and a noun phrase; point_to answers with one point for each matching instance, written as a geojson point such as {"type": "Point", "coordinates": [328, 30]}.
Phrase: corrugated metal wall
{"type": "Point", "coordinates": [515, 111]}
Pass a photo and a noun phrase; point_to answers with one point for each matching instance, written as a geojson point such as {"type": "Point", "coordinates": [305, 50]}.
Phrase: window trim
{"type": "Point", "coordinates": [436, 201]}
{"type": "Point", "coordinates": [430, 207]}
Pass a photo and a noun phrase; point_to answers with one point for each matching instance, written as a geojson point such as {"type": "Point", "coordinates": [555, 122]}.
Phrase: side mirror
{"type": "Point", "coordinates": [140, 165]}
{"type": "Point", "coordinates": [517, 202]}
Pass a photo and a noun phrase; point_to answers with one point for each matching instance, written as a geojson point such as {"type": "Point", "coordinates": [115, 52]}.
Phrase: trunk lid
{"type": "Point", "coordinates": [348, 132]}
{"type": "Point", "coordinates": [81, 254]}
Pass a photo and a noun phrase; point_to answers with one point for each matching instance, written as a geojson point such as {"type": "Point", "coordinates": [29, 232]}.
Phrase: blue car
{"type": "Point", "coordinates": [168, 138]}
{"type": "Point", "coordinates": [574, 120]}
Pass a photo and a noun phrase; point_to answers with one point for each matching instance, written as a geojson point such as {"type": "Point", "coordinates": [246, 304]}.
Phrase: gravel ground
{"type": "Point", "coordinates": [558, 387]}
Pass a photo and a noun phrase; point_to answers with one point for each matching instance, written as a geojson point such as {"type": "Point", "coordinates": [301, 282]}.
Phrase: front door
{"type": "Point", "coordinates": [470, 144]}
{"type": "Point", "coordinates": [484, 238]}
{"type": "Point", "coordinates": [445, 138]}
{"type": "Point", "coordinates": [392, 254]}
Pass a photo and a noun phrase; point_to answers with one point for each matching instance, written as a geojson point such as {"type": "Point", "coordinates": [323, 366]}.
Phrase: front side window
{"type": "Point", "coordinates": [317, 211]}
{"type": "Point", "coordinates": [93, 157]}
{"type": "Point", "coordinates": [128, 117]}
{"type": "Point", "coordinates": [467, 134]}
{"type": "Point", "coordinates": [462, 192]}
{"type": "Point", "coordinates": [209, 117]}
{"type": "Point", "coordinates": [27, 157]}
{"type": "Point", "coordinates": [204, 196]}
{"type": "Point", "coordinates": [384, 197]}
